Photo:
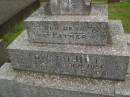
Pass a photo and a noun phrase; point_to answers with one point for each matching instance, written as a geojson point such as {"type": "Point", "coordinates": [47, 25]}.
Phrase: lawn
{"type": "Point", "coordinates": [118, 11]}
{"type": "Point", "coordinates": [11, 35]}
{"type": "Point", "coordinates": [121, 11]}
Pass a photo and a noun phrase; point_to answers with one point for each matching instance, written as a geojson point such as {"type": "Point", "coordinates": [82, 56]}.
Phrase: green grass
{"type": "Point", "coordinates": [101, 1]}
{"type": "Point", "coordinates": [117, 11]}
{"type": "Point", "coordinates": [121, 11]}
{"type": "Point", "coordinates": [10, 36]}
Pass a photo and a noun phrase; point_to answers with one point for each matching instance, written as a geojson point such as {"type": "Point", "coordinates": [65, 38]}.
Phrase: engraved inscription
{"type": "Point", "coordinates": [78, 64]}
{"type": "Point", "coordinates": [84, 64]}
{"type": "Point", "coordinates": [70, 32]}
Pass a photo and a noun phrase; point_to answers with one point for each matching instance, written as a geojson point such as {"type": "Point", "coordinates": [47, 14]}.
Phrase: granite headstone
{"type": "Point", "coordinates": [75, 45]}
{"type": "Point", "coordinates": [41, 67]}
{"type": "Point", "coordinates": [109, 62]}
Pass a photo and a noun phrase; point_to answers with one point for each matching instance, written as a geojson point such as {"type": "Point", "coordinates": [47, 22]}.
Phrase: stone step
{"type": "Point", "coordinates": [107, 62]}
{"type": "Point", "coordinates": [15, 83]}
{"type": "Point", "coordinates": [84, 30]}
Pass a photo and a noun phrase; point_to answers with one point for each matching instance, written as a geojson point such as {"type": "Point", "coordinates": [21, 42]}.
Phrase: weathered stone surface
{"type": "Point", "coordinates": [128, 71]}
{"type": "Point", "coordinates": [68, 30]}
{"type": "Point", "coordinates": [3, 53]}
{"type": "Point", "coordinates": [68, 7]}
{"type": "Point", "coordinates": [122, 89]}
{"type": "Point", "coordinates": [128, 39]}
{"type": "Point", "coordinates": [29, 84]}
{"type": "Point", "coordinates": [128, 42]}
{"type": "Point", "coordinates": [99, 10]}
{"type": "Point", "coordinates": [13, 11]}
{"type": "Point", "coordinates": [86, 30]}
{"type": "Point", "coordinates": [109, 62]}
{"type": "Point", "coordinates": [15, 83]}
{"type": "Point", "coordinates": [96, 10]}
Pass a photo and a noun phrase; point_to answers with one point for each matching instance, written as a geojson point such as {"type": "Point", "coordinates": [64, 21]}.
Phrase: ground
{"type": "Point", "coordinates": [120, 11]}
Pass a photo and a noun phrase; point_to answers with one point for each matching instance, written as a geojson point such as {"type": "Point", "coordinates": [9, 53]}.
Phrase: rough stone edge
{"type": "Point", "coordinates": [128, 42]}
{"type": "Point", "coordinates": [18, 44]}
{"type": "Point", "coordinates": [52, 82]}
{"type": "Point", "coordinates": [122, 89]}
{"type": "Point", "coordinates": [25, 82]}
{"type": "Point", "coordinates": [102, 17]}
{"type": "Point", "coordinates": [128, 38]}
{"type": "Point", "coordinates": [104, 7]}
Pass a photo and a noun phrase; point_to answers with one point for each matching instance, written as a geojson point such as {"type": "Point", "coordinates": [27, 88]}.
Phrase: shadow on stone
{"type": "Point", "coordinates": [13, 11]}
{"type": "Point", "coordinates": [3, 53]}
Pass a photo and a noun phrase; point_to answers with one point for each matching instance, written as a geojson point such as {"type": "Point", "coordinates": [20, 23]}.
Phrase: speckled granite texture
{"type": "Point", "coordinates": [15, 83]}
{"type": "Point", "coordinates": [71, 29]}
{"type": "Point", "coordinates": [68, 7]}
{"type": "Point", "coordinates": [112, 61]}
{"type": "Point", "coordinates": [42, 66]}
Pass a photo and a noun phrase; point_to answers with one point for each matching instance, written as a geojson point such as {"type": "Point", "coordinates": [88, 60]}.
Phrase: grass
{"type": "Point", "coordinates": [121, 11]}
{"type": "Point", "coordinates": [10, 36]}
{"type": "Point", "coordinates": [117, 11]}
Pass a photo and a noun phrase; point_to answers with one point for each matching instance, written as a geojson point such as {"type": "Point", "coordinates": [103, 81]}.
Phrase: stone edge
{"type": "Point", "coordinates": [39, 15]}
{"type": "Point", "coordinates": [19, 44]}
{"type": "Point", "coordinates": [7, 74]}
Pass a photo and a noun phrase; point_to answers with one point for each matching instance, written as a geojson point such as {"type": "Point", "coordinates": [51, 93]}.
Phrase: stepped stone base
{"type": "Point", "coordinates": [109, 62]}
{"type": "Point", "coordinates": [15, 83]}
{"type": "Point", "coordinates": [85, 30]}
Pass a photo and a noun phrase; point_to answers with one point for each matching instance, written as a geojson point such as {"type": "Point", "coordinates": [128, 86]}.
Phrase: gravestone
{"type": "Point", "coordinates": [75, 45]}
{"type": "Point", "coordinates": [64, 53]}
{"type": "Point", "coordinates": [3, 54]}
{"type": "Point", "coordinates": [14, 11]}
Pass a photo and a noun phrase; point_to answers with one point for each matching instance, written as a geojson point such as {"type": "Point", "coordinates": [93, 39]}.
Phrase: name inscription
{"type": "Point", "coordinates": [64, 64]}
{"type": "Point", "coordinates": [60, 32]}
{"type": "Point", "coordinates": [67, 26]}
{"type": "Point", "coordinates": [68, 32]}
